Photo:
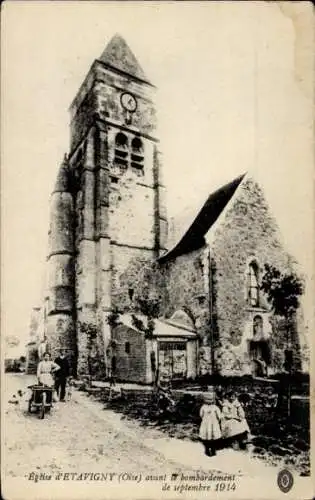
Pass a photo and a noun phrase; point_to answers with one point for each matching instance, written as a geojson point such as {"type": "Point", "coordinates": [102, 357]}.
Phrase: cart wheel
{"type": "Point", "coordinates": [42, 408]}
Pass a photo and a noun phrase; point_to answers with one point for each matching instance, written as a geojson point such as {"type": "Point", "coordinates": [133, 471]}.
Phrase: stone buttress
{"type": "Point", "coordinates": [60, 297]}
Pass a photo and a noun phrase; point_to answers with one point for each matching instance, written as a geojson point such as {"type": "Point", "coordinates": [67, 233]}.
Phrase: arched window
{"type": "Point", "coordinates": [121, 149]}
{"type": "Point", "coordinates": [121, 140]}
{"type": "Point", "coordinates": [252, 288]}
{"type": "Point", "coordinates": [257, 327]}
{"type": "Point", "coordinates": [137, 145]}
{"type": "Point", "coordinates": [129, 153]}
{"type": "Point", "coordinates": [137, 155]}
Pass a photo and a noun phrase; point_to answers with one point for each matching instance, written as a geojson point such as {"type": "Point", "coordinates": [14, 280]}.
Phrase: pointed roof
{"type": "Point", "coordinates": [62, 181]}
{"type": "Point", "coordinates": [118, 55]}
{"type": "Point", "coordinates": [193, 238]}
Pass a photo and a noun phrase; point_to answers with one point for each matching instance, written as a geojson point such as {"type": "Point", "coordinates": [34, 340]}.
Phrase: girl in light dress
{"type": "Point", "coordinates": [210, 428]}
{"type": "Point", "coordinates": [45, 370]}
{"type": "Point", "coordinates": [235, 428]}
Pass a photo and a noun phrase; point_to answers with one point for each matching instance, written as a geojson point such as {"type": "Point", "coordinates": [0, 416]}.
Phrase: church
{"type": "Point", "coordinates": [129, 294]}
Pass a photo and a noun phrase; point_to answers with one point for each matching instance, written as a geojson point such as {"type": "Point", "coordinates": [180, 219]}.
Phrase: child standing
{"type": "Point", "coordinates": [234, 426]}
{"type": "Point", "coordinates": [210, 429]}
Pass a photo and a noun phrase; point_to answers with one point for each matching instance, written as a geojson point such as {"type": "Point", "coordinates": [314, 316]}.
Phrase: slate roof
{"type": "Point", "coordinates": [193, 238]}
{"type": "Point", "coordinates": [117, 54]}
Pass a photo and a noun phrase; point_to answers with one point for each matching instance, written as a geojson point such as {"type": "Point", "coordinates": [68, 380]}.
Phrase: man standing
{"type": "Point", "coordinates": [61, 375]}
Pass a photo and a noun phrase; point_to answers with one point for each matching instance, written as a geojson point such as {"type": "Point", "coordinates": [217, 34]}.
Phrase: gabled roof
{"type": "Point", "coordinates": [208, 215]}
{"type": "Point", "coordinates": [117, 54]}
{"type": "Point", "coordinates": [162, 327]}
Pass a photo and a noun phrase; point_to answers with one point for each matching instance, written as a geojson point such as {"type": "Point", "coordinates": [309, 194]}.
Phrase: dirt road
{"type": "Point", "coordinates": [74, 437]}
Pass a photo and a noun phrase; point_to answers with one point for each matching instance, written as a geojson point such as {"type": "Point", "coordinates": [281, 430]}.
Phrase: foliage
{"type": "Point", "coordinates": [147, 329]}
{"type": "Point", "coordinates": [282, 290]}
{"type": "Point", "coordinates": [12, 341]}
{"type": "Point", "coordinates": [150, 328]}
{"type": "Point", "coordinates": [90, 331]}
{"type": "Point", "coordinates": [137, 323]}
{"type": "Point", "coordinates": [113, 318]}
{"type": "Point", "coordinates": [150, 308]}
{"type": "Point", "coordinates": [12, 365]}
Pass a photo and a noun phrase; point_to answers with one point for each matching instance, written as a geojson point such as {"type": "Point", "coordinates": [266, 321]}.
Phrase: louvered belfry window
{"type": "Point", "coordinates": [137, 157]}
{"type": "Point", "coordinates": [121, 150]}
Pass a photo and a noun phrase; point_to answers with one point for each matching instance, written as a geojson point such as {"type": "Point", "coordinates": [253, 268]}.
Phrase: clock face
{"type": "Point", "coordinates": [128, 102]}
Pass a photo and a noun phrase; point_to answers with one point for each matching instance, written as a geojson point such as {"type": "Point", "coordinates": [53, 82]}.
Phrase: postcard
{"type": "Point", "coordinates": [157, 250]}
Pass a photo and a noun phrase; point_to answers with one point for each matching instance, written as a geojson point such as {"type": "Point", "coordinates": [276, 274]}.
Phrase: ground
{"type": "Point", "coordinates": [71, 436]}
{"type": "Point", "coordinates": [275, 439]}
{"type": "Point", "coordinates": [81, 436]}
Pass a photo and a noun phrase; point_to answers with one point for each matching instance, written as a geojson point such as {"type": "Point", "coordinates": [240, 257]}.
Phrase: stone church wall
{"type": "Point", "coordinates": [185, 286]}
{"type": "Point", "coordinates": [135, 275]}
{"type": "Point", "coordinates": [246, 230]}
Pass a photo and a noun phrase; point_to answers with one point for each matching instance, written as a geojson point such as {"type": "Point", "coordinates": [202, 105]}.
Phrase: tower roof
{"type": "Point", "coordinates": [118, 55]}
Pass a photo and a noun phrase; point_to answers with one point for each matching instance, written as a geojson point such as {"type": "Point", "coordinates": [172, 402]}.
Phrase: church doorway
{"type": "Point", "coordinates": [260, 355]}
{"type": "Point", "coordinates": [173, 360]}
{"type": "Point", "coordinates": [259, 349]}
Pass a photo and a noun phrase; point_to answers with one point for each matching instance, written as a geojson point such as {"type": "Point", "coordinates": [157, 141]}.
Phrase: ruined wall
{"type": "Point", "coordinates": [246, 230]}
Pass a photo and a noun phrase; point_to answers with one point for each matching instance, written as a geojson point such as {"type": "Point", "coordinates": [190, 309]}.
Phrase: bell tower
{"type": "Point", "coordinates": [117, 185]}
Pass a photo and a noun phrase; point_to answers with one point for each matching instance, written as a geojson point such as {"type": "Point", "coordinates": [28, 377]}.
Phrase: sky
{"type": "Point", "coordinates": [234, 94]}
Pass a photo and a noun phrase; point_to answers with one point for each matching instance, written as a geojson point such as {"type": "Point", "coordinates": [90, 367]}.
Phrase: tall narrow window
{"type": "Point", "coordinates": [137, 155]}
{"type": "Point", "coordinates": [252, 284]}
{"type": "Point", "coordinates": [257, 328]}
{"type": "Point", "coordinates": [127, 347]}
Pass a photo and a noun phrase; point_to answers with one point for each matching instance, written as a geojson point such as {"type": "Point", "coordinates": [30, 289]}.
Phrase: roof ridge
{"type": "Point", "coordinates": [210, 211]}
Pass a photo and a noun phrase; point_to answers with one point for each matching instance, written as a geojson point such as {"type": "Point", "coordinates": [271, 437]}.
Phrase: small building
{"type": "Point", "coordinates": [172, 349]}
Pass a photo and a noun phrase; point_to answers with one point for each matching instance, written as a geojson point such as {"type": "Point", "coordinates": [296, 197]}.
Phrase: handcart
{"type": "Point", "coordinates": [41, 399]}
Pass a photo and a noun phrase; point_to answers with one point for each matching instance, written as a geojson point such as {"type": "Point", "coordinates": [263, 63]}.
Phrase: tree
{"type": "Point", "coordinates": [150, 308]}
{"type": "Point", "coordinates": [90, 331]}
{"type": "Point", "coordinates": [283, 292]}
{"type": "Point", "coordinates": [113, 317]}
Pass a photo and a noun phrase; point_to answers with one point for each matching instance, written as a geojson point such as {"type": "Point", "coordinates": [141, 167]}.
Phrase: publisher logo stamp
{"type": "Point", "coordinates": [285, 480]}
